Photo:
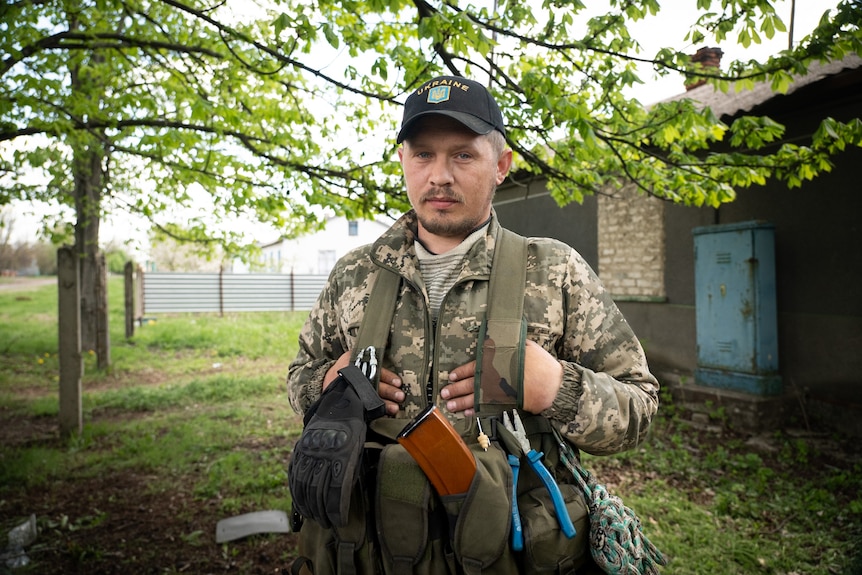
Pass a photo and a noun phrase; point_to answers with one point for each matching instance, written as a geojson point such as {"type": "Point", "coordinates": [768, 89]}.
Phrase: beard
{"type": "Point", "coordinates": [440, 223]}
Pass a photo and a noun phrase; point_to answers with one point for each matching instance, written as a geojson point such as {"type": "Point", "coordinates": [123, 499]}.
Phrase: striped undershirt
{"type": "Point", "coordinates": [440, 271]}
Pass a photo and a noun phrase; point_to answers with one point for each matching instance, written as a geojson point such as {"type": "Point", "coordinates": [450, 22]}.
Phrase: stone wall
{"type": "Point", "coordinates": [631, 244]}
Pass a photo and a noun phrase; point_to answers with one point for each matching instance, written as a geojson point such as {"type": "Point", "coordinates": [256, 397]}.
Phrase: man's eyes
{"type": "Point", "coordinates": [459, 155]}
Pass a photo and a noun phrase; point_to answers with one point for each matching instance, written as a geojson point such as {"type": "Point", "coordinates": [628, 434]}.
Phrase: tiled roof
{"type": "Point", "coordinates": [732, 103]}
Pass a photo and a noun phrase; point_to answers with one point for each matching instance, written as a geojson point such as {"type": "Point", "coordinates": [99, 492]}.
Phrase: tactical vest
{"type": "Point", "coordinates": [397, 522]}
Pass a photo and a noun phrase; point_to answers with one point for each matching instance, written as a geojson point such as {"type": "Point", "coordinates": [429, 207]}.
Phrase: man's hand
{"type": "Point", "coordinates": [332, 372]}
{"type": "Point", "coordinates": [459, 393]}
{"type": "Point", "coordinates": [543, 376]}
{"type": "Point", "coordinates": [389, 388]}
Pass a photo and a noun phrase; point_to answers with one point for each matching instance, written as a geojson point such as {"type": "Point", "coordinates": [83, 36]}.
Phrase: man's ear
{"type": "Point", "coordinates": [504, 164]}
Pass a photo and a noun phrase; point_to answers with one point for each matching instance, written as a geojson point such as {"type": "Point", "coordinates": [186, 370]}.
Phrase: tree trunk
{"type": "Point", "coordinates": [89, 152]}
{"type": "Point", "coordinates": [87, 167]}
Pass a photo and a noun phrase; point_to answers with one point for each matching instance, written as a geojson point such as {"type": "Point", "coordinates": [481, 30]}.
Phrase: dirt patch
{"type": "Point", "coordinates": [116, 524]}
{"type": "Point", "coordinates": [21, 432]}
{"type": "Point", "coordinates": [120, 523]}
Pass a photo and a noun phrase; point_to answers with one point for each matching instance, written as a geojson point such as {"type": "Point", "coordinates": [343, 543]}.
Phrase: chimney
{"type": "Point", "coordinates": [702, 59]}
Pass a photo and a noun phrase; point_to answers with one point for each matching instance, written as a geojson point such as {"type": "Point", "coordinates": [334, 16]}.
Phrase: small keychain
{"type": "Point", "coordinates": [484, 442]}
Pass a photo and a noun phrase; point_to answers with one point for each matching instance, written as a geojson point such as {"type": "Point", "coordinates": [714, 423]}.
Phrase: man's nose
{"type": "Point", "coordinates": [441, 172]}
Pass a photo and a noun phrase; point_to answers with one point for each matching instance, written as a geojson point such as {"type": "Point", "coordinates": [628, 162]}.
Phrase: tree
{"type": "Point", "coordinates": [169, 255]}
{"type": "Point", "coordinates": [7, 223]}
{"type": "Point", "coordinates": [145, 105]}
{"type": "Point", "coordinates": [140, 106]}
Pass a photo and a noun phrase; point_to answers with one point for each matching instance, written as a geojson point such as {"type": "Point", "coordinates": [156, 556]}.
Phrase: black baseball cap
{"type": "Point", "coordinates": [464, 100]}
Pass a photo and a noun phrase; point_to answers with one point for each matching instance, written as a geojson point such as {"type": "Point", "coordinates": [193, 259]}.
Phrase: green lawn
{"type": "Point", "coordinates": [191, 424]}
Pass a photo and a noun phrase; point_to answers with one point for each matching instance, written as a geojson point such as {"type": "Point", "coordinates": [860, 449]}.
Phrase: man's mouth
{"type": "Point", "coordinates": [441, 201]}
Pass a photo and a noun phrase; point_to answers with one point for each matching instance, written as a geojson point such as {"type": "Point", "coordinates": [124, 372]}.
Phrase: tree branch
{"type": "Point", "coordinates": [275, 53]}
{"type": "Point", "coordinates": [88, 42]}
{"type": "Point", "coordinates": [582, 46]}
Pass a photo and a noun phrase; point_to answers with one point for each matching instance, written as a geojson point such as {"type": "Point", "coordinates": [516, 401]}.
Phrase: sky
{"type": "Point", "coordinates": [667, 29]}
{"type": "Point", "coordinates": [670, 26]}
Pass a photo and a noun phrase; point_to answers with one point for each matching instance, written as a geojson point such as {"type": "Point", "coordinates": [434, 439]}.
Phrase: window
{"type": "Point", "coordinates": [353, 228]}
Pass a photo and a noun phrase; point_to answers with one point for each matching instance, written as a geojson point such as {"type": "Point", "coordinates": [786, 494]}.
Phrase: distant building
{"type": "Point", "coordinates": [317, 253]}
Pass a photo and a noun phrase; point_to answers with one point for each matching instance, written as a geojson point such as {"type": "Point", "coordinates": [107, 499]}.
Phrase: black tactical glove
{"type": "Point", "coordinates": [324, 465]}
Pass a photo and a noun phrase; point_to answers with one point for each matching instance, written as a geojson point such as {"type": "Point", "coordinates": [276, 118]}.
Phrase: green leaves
{"type": "Point", "coordinates": [754, 132]}
{"type": "Point", "coordinates": [294, 109]}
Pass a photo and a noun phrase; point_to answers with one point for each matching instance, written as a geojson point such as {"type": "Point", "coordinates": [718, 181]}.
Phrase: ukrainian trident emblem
{"type": "Point", "coordinates": [438, 94]}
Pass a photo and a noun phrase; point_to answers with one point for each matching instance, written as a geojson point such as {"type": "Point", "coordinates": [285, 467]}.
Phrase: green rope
{"type": "Point", "coordinates": [617, 542]}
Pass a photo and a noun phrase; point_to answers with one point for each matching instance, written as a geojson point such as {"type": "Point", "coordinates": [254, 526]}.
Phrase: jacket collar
{"type": "Point", "coordinates": [395, 250]}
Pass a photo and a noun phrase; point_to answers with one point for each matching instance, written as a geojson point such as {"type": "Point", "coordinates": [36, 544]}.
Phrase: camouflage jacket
{"type": "Point", "coordinates": [608, 396]}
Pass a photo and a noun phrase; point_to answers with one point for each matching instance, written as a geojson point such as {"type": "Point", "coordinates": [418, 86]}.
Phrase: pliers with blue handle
{"type": "Point", "coordinates": [534, 458]}
{"type": "Point", "coordinates": [517, 528]}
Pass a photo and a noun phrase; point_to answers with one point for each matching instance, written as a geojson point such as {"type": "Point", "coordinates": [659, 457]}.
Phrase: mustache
{"type": "Point", "coordinates": [442, 193]}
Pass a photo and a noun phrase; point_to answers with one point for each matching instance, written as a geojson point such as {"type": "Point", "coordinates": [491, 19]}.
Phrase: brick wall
{"type": "Point", "coordinates": [631, 244]}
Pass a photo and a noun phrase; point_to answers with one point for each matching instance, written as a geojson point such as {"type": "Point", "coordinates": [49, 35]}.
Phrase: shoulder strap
{"type": "Point", "coordinates": [506, 298]}
{"type": "Point", "coordinates": [500, 360]}
{"type": "Point", "coordinates": [500, 357]}
{"type": "Point", "coordinates": [374, 330]}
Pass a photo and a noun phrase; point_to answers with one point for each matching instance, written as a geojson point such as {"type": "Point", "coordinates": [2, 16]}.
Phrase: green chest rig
{"type": "Point", "coordinates": [478, 542]}
{"type": "Point", "coordinates": [500, 357]}
{"type": "Point", "coordinates": [502, 335]}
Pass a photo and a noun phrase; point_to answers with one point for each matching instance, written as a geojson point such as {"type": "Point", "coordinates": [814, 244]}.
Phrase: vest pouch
{"type": "Point", "coordinates": [482, 516]}
{"type": "Point", "coordinates": [500, 357]}
{"type": "Point", "coordinates": [546, 548]}
{"type": "Point", "coordinates": [410, 538]}
{"type": "Point", "coordinates": [345, 549]}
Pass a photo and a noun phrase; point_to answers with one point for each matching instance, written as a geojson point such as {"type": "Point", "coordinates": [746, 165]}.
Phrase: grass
{"type": "Point", "coordinates": [716, 505]}
{"type": "Point", "coordinates": [196, 405]}
{"type": "Point", "coordinates": [193, 403]}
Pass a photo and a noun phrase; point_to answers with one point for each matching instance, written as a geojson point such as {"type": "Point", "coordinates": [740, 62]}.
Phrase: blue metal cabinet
{"type": "Point", "coordinates": [737, 332]}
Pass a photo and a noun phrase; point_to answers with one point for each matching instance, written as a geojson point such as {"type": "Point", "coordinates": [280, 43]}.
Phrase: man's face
{"type": "Point", "coordinates": [451, 174]}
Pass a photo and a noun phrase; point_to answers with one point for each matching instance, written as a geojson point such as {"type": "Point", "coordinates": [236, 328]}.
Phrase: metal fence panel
{"type": "Point", "coordinates": [167, 292]}
{"type": "Point", "coordinates": [258, 292]}
{"type": "Point", "coordinates": [306, 289]}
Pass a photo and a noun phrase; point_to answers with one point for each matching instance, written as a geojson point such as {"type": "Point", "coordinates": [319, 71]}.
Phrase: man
{"type": "Point", "coordinates": [584, 369]}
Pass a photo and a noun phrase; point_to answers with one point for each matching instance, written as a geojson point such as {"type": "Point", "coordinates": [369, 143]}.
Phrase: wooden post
{"type": "Point", "coordinates": [69, 327]}
{"type": "Point", "coordinates": [103, 335]}
{"type": "Point", "coordinates": [129, 298]}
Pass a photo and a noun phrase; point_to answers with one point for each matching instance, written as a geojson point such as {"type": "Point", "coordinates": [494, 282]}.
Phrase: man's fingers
{"type": "Point", "coordinates": [463, 403]}
{"type": "Point", "coordinates": [543, 377]}
{"type": "Point", "coordinates": [389, 377]}
{"type": "Point", "coordinates": [459, 395]}
{"type": "Point", "coordinates": [389, 390]}
{"type": "Point", "coordinates": [391, 407]}
{"type": "Point", "coordinates": [468, 370]}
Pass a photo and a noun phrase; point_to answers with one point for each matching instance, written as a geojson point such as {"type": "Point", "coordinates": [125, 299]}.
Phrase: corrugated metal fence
{"type": "Point", "coordinates": [219, 292]}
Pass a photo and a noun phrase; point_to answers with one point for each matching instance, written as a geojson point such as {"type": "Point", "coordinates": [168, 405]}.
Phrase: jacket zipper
{"type": "Point", "coordinates": [434, 384]}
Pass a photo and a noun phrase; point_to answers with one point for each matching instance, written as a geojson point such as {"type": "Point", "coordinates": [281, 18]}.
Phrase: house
{"type": "Point", "coordinates": [643, 249]}
{"type": "Point", "coordinates": [316, 254]}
